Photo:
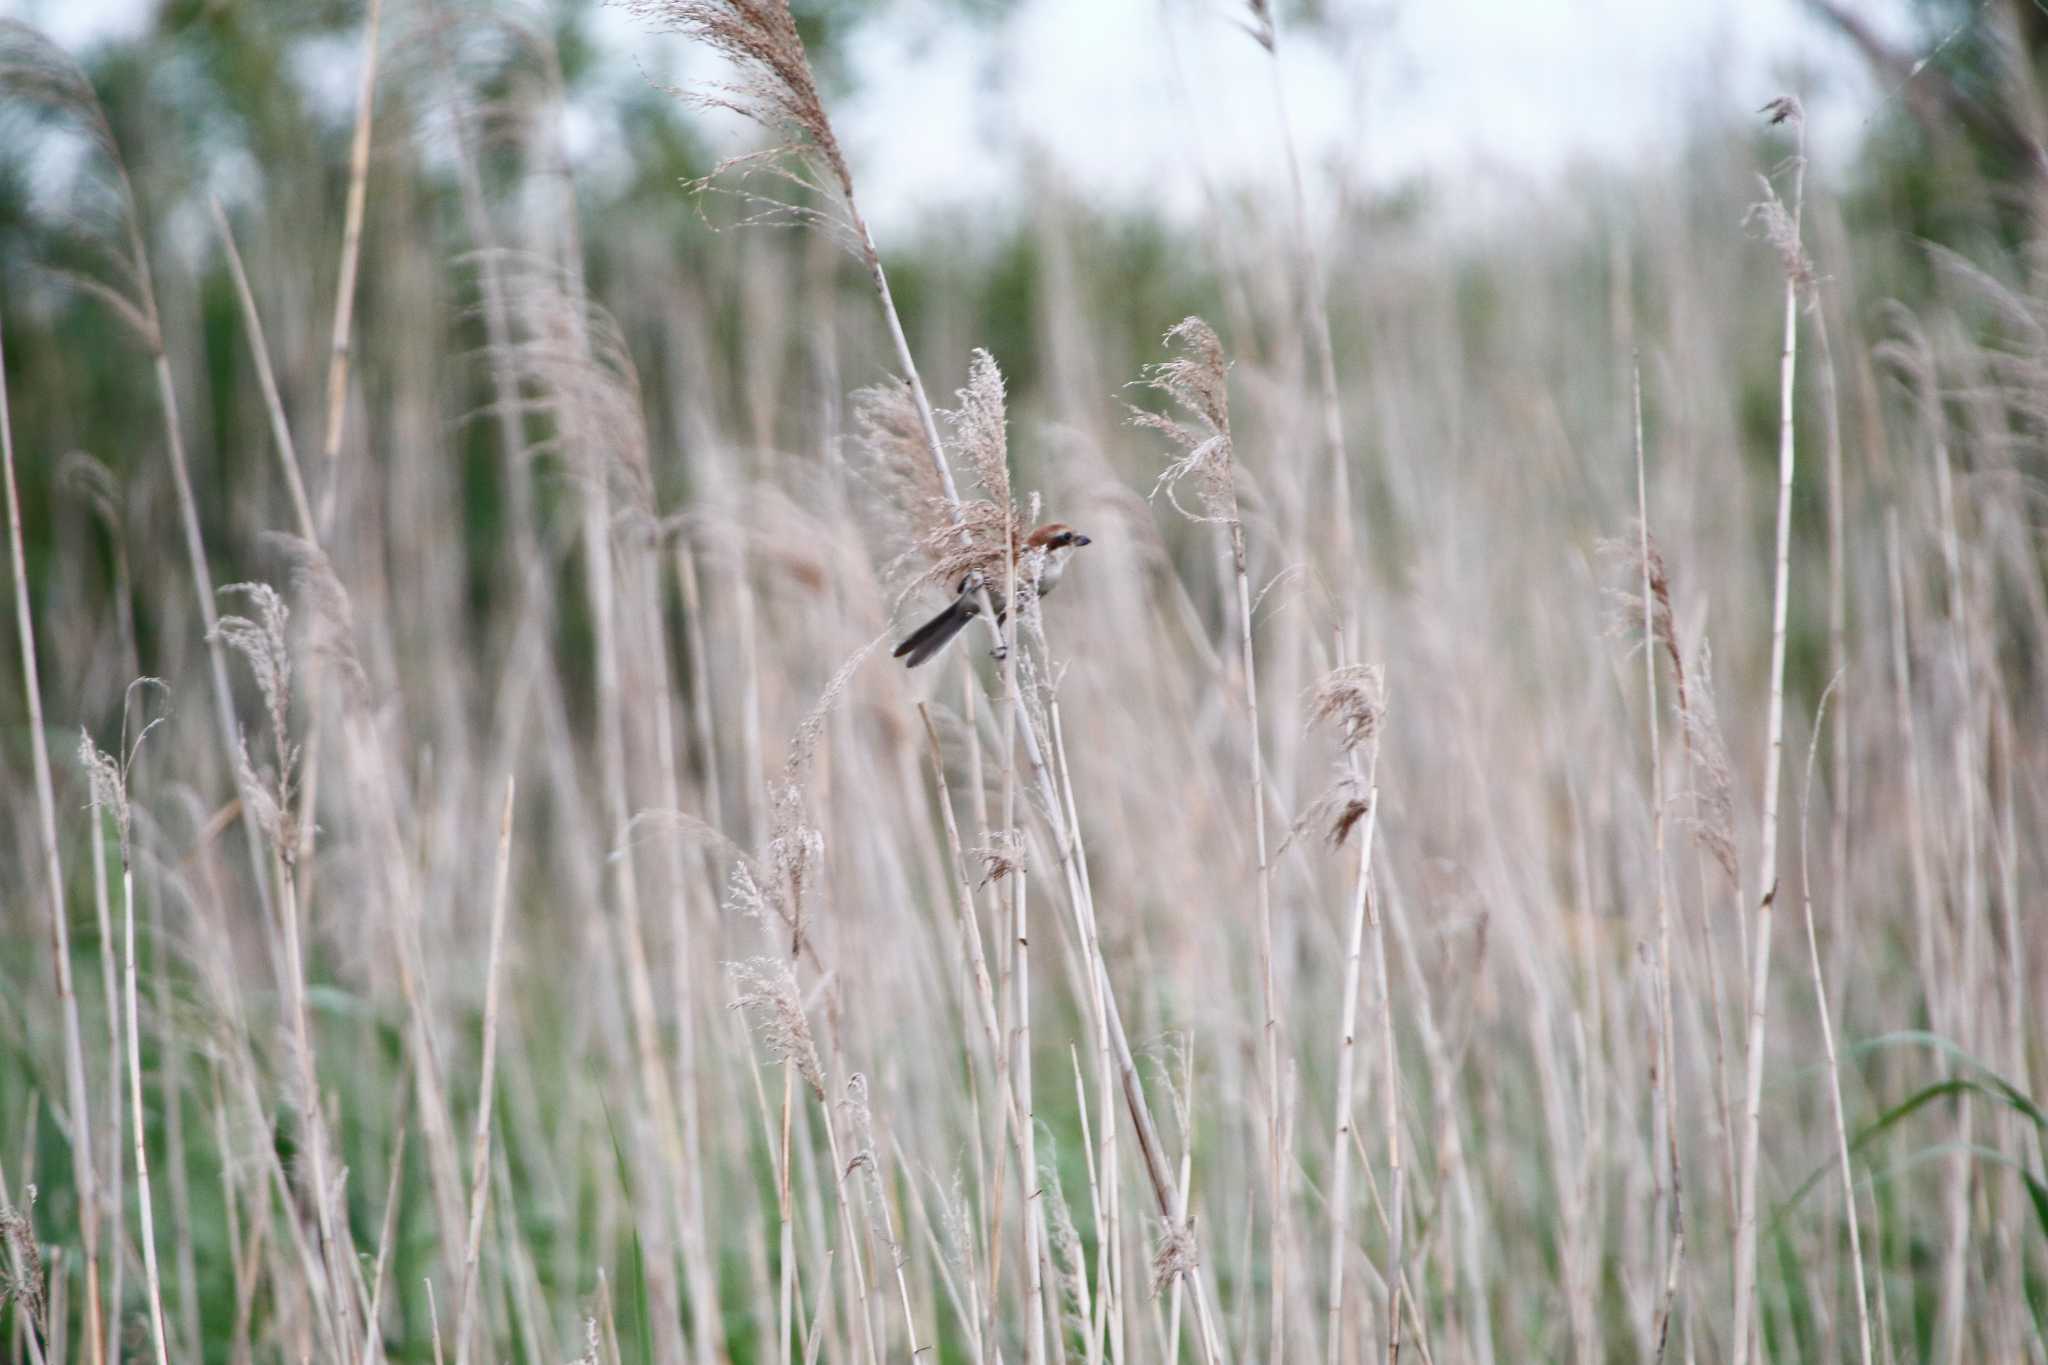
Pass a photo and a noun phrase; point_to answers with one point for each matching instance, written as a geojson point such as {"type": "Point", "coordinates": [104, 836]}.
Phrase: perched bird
{"type": "Point", "coordinates": [1056, 540]}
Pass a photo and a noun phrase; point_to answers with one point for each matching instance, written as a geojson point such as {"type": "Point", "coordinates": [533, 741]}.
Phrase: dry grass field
{"type": "Point", "coordinates": [1519, 838]}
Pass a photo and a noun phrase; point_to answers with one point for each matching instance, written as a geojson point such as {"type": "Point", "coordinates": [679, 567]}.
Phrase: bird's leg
{"type": "Point", "coordinates": [977, 585]}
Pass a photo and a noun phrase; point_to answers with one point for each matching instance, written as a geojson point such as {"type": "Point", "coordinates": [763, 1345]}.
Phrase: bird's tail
{"type": "Point", "coordinates": [931, 637]}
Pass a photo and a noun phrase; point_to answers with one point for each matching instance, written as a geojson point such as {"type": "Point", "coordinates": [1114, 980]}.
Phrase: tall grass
{"type": "Point", "coordinates": [806, 1008]}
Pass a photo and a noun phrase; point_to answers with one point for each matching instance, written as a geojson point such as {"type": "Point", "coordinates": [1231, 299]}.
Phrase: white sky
{"type": "Point", "coordinates": [1134, 100]}
{"type": "Point", "coordinates": [1138, 99]}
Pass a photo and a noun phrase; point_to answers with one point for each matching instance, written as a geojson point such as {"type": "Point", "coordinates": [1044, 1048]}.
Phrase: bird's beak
{"type": "Point", "coordinates": [1080, 539]}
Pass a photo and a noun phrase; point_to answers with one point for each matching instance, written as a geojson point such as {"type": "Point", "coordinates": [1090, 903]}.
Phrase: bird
{"type": "Point", "coordinates": [1055, 541]}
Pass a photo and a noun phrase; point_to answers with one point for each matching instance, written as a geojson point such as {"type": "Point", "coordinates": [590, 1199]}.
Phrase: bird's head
{"type": "Point", "coordinates": [1054, 537]}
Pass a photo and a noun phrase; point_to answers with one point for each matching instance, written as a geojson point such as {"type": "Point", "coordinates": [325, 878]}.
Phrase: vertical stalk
{"type": "Point", "coordinates": [1669, 1215]}
{"type": "Point", "coordinates": [83, 1170]}
{"type": "Point", "coordinates": [1391, 1110]}
{"type": "Point", "coordinates": [1020, 1065]}
{"type": "Point", "coordinates": [1767, 867]}
{"type": "Point", "coordinates": [110, 974]}
{"type": "Point", "coordinates": [1341, 1138]}
{"type": "Point", "coordinates": [1827, 1039]}
{"type": "Point", "coordinates": [1276, 1159]}
{"type": "Point", "coordinates": [149, 1266]}
{"type": "Point", "coordinates": [351, 258]}
{"type": "Point", "coordinates": [480, 1141]}
{"type": "Point", "coordinates": [1134, 1094]}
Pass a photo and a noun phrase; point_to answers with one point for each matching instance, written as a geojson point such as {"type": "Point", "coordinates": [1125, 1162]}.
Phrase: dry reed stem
{"type": "Point", "coordinates": [480, 1139]}
{"type": "Point", "coordinates": [145, 1202]}
{"type": "Point", "coordinates": [268, 803]}
{"type": "Point", "coordinates": [1782, 110]}
{"type": "Point", "coordinates": [1197, 381]}
{"type": "Point", "coordinates": [707, 1332]}
{"type": "Point", "coordinates": [109, 781]}
{"type": "Point", "coordinates": [434, 1320]}
{"type": "Point", "coordinates": [273, 404]}
{"type": "Point", "coordinates": [33, 67]}
{"type": "Point", "coordinates": [1670, 1207]}
{"type": "Point", "coordinates": [373, 1336]}
{"type": "Point", "coordinates": [1309, 266]}
{"type": "Point", "coordinates": [1347, 1020]}
{"type": "Point", "coordinates": [792, 92]}
{"type": "Point", "coordinates": [117, 1071]}
{"type": "Point", "coordinates": [1109, 1272]}
{"type": "Point", "coordinates": [83, 1164]}
{"type": "Point", "coordinates": [593, 393]}
{"type": "Point", "coordinates": [288, 460]}
{"type": "Point", "coordinates": [342, 338]}
{"type": "Point", "coordinates": [1019, 881]}
{"type": "Point", "coordinates": [1827, 1036]}
{"type": "Point", "coordinates": [1397, 1172]}
{"type": "Point", "coordinates": [878, 1200]}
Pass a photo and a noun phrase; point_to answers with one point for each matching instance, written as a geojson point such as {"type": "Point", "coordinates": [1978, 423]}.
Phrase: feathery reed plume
{"type": "Point", "coordinates": [92, 481]}
{"type": "Point", "coordinates": [1351, 698]}
{"type": "Point", "coordinates": [896, 466]}
{"type": "Point", "coordinates": [1638, 599]}
{"type": "Point", "coordinates": [1713, 796]}
{"type": "Point", "coordinates": [271, 791]}
{"type": "Point", "coordinates": [776, 884]}
{"type": "Point", "coordinates": [1001, 855]}
{"type": "Point", "coordinates": [948, 539]}
{"type": "Point", "coordinates": [328, 633]}
{"type": "Point", "coordinates": [1198, 382]}
{"type": "Point", "coordinates": [776, 90]}
{"type": "Point", "coordinates": [571, 367]}
{"type": "Point", "coordinates": [764, 988]}
{"type": "Point", "coordinates": [101, 215]}
{"type": "Point", "coordinates": [985, 526]}
{"type": "Point", "coordinates": [1176, 1257]}
{"type": "Point", "coordinates": [21, 1279]}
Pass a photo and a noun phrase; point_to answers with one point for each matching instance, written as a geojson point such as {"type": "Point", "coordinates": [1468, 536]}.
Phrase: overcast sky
{"type": "Point", "coordinates": [1138, 99]}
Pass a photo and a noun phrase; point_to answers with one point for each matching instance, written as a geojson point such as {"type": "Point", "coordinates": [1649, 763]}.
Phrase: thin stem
{"type": "Point", "coordinates": [1276, 1158]}
{"type": "Point", "coordinates": [1669, 1215]}
{"type": "Point", "coordinates": [1827, 1039]}
{"type": "Point", "coordinates": [82, 1165]}
{"type": "Point", "coordinates": [1347, 1061]}
{"type": "Point", "coordinates": [480, 1140]}
{"type": "Point", "coordinates": [266, 378]}
{"type": "Point", "coordinates": [373, 1338]}
{"type": "Point", "coordinates": [351, 257]}
{"type": "Point", "coordinates": [1767, 868]}
{"type": "Point", "coordinates": [1020, 1065]}
{"type": "Point", "coordinates": [149, 1266]}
